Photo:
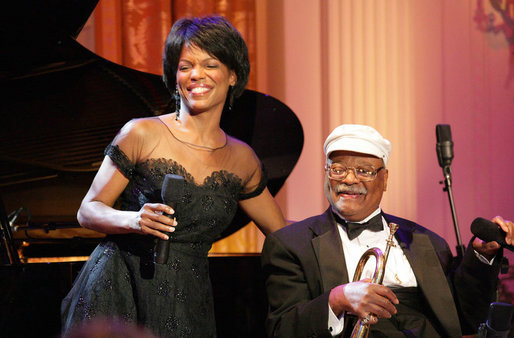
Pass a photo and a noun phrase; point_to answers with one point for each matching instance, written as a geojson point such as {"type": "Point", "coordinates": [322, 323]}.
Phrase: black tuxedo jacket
{"type": "Point", "coordinates": [302, 262]}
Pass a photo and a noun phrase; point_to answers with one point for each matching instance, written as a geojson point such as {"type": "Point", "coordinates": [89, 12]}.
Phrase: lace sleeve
{"type": "Point", "coordinates": [126, 148]}
{"type": "Point", "coordinates": [120, 160]}
{"type": "Point", "coordinates": [260, 188]}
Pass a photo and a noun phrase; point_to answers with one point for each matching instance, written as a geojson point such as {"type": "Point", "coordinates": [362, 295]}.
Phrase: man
{"type": "Point", "coordinates": [308, 265]}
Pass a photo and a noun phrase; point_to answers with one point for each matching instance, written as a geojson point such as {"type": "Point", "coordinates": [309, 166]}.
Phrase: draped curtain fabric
{"type": "Point", "coordinates": [132, 33]}
{"type": "Point", "coordinates": [369, 57]}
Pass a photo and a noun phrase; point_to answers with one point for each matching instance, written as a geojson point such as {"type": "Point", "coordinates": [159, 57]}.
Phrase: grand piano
{"type": "Point", "coordinates": [61, 105]}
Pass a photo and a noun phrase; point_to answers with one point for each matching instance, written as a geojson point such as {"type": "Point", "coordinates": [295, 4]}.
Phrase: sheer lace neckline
{"type": "Point", "coordinates": [192, 145]}
{"type": "Point", "coordinates": [181, 170]}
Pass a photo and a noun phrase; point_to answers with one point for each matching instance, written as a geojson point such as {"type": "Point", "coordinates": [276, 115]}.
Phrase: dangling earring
{"type": "Point", "coordinates": [230, 97]}
{"type": "Point", "coordinates": [177, 104]}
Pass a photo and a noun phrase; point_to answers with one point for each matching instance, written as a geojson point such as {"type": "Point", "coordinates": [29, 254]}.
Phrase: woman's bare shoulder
{"type": "Point", "coordinates": [143, 126]}
{"type": "Point", "coordinates": [242, 151]}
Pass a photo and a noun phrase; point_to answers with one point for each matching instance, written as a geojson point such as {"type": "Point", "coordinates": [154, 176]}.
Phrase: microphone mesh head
{"type": "Point", "coordinates": [500, 315]}
{"type": "Point", "coordinates": [443, 132]}
{"type": "Point", "coordinates": [172, 188]}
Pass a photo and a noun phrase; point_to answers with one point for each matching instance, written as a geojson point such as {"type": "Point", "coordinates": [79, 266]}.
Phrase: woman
{"type": "Point", "coordinates": [205, 64]}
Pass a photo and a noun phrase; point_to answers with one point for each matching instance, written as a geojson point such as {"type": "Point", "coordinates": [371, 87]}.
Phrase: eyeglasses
{"type": "Point", "coordinates": [364, 174]}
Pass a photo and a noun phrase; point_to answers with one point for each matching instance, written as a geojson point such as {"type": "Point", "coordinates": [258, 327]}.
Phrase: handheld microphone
{"type": "Point", "coordinates": [489, 231]}
{"type": "Point", "coordinates": [444, 145]}
{"type": "Point", "coordinates": [172, 191]}
{"type": "Point", "coordinates": [498, 321]}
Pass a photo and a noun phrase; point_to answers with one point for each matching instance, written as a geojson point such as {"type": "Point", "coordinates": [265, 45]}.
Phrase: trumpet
{"type": "Point", "coordinates": [361, 328]}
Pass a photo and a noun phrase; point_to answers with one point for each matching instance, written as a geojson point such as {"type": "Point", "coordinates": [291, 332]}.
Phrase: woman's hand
{"type": "Point", "coordinates": [150, 220]}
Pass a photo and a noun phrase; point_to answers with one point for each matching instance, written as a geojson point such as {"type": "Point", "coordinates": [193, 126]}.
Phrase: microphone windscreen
{"type": "Point", "coordinates": [444, 146]}
{"type": "Point", "coordinates": [487, 231]}
{"type": "Point", "coordinates": [172, 189]}
{"type": "Point", "coordinates": [443, 132]}
{"type": "Point", "coordinates": [500, 315]}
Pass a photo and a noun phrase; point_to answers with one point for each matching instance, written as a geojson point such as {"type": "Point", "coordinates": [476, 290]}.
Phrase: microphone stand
{"type": "Point", "coordinates": [447, 172]}
{"type": "Point", "coordinates": [11, 255]}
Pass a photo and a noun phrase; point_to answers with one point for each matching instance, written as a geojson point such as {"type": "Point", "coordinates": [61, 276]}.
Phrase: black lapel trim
{"type": "Point", "coordinates": [329, 252]}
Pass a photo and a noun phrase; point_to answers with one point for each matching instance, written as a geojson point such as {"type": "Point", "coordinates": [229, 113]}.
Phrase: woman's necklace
{"type": "Point", "coordinates": [197, 146]}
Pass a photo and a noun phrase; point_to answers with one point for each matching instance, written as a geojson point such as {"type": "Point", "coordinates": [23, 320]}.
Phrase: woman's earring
{"type": "Point", "coordinates": [177, 104]}
{"type": "Point", "coordinates": [230, 97]}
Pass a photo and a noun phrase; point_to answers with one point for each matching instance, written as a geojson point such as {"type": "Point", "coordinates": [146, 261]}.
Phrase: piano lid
{"type": "Point", "coordinates": [32, 31]}
{"type": "Point", "coordinates": [63, 104]}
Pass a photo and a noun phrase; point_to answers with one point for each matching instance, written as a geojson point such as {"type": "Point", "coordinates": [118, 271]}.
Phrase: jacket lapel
{"type": "Point", "coordinates": [430, 276]}
{"type": "Point", "coordinates": [329, 252]}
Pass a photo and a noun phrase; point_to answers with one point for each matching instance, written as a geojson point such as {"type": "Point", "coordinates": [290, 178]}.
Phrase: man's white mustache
{"type": "Point", "coordinates": [350, 189]}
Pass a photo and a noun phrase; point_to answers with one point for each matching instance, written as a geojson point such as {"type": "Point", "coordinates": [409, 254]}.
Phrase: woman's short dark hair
{"type": "Point", "coordinates": [216, 36]}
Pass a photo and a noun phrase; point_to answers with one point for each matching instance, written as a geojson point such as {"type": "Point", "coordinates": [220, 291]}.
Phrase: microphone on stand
{"type": "Point", "coordinates": [172, 191]}
{"type": "Point", "coordinates": [444, 148]}
{"type": "Point", "coordinates": [444, 145]}
{"type": "Point", "coordinates": [498, 321]}
{"type": "Point", "coordinates": [489, 231]}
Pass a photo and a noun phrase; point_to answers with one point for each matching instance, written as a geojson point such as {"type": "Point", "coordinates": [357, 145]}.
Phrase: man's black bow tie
{"type": "Point", "coordinates": [353, 230]}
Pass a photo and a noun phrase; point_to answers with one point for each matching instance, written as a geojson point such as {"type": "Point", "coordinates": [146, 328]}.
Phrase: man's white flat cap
{"type": "Point", "coordinates": [358, 138]}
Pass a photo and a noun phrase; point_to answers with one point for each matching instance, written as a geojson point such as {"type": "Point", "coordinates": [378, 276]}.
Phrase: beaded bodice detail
{"type": "Point", "coordinates": [203, 211]}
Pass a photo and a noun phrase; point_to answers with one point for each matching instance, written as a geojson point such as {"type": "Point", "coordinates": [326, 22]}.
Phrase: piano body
{"type": "Point", "coordinates": [61, 105]}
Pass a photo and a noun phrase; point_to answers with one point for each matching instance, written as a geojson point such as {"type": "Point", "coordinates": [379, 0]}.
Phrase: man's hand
{"type": "Point", "coordinates": [362, 298]}
{"type": "Point", "coordinates": [489, 249]}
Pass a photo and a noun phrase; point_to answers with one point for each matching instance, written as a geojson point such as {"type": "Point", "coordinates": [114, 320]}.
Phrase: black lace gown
{"type": "Point", "coordinates": [120, 278]}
